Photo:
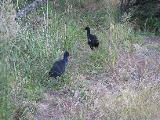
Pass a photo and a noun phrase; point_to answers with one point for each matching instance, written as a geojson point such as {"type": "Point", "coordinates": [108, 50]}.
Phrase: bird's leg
{"type": "Point", "coordinates": [91, 47]}
{"type": "Point", "coordinates": [96, 47]}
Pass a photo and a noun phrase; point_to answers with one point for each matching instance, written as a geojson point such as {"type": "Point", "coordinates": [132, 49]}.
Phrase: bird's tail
{"type": "Point", "coordinates": [97, 44]}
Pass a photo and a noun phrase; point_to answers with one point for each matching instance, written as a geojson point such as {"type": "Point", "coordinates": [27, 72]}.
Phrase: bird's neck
{"type": "Point", "coordinates": [65, 59]}
{"type": "Point", "coordinates": [88, 32]}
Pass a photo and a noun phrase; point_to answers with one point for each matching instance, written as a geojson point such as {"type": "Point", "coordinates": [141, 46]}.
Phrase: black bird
{"type": "Point", "coordinates": [59, 66]}
{"type": "Point", "coordinates": [92, 39]}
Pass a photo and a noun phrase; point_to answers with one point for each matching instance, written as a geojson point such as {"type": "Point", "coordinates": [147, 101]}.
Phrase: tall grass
{"type": "Point", "coordinates": [30, 47]}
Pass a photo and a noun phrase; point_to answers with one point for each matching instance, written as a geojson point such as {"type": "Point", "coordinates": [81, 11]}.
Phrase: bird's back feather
{"type": "Point", "coordinates": [57, 69]}
{"type": "Point", "coordinates": [93, 41]}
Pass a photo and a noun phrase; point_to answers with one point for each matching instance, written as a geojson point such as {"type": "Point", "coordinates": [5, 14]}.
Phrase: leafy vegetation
{"type": "Point", "coordinates": [145, 13]}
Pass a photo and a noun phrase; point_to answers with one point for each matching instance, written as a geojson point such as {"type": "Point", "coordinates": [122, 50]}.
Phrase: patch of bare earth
{"type": "Point", "coordinates": [90, 102]}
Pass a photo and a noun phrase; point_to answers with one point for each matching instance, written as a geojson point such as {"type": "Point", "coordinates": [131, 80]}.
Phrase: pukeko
{"type": "Point", "coordinates": [59, 66]}
{"type": "Point", "coordinates": [92, 39]}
